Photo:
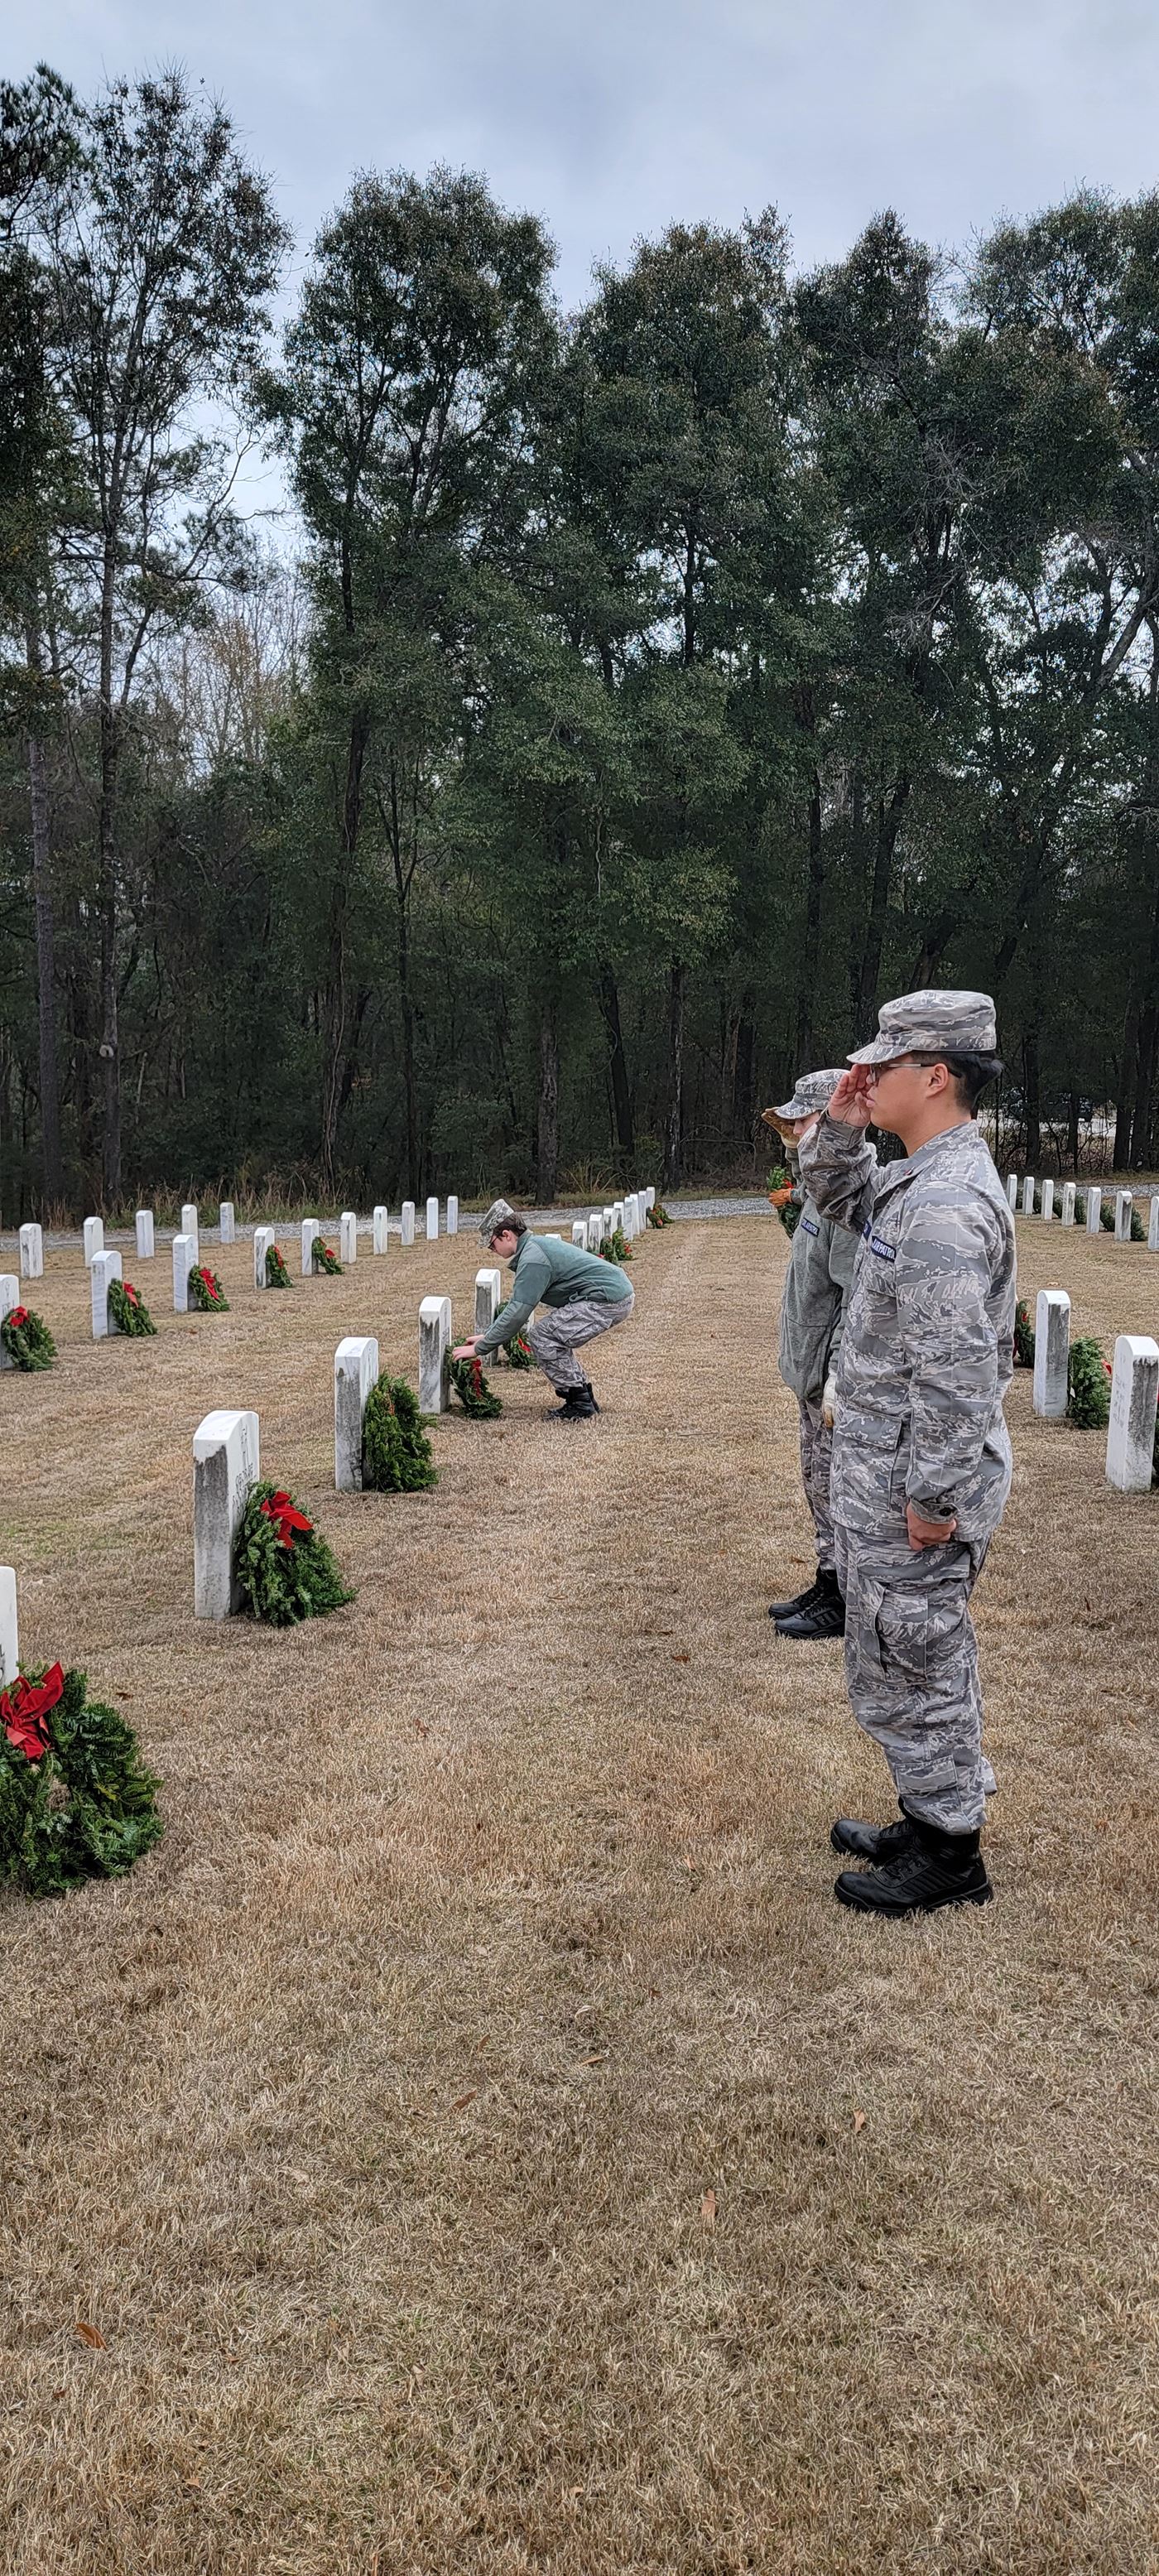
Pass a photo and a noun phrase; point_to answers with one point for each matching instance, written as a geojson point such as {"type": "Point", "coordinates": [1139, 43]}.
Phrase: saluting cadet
{"type": "Point", "coordinates": [812, 1317]}
{"type": "Point", "coordinates": [586, 1296]}
{"type": "Point", "coordinates": [921, 1455]}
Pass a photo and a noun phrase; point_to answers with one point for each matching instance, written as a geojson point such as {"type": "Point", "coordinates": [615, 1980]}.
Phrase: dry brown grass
{"type": "Point", "coordinates": [371, 2120]}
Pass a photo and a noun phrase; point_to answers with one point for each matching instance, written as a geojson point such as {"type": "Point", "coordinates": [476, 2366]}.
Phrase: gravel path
{"type": "Point", "coordinates": [677, 1208]}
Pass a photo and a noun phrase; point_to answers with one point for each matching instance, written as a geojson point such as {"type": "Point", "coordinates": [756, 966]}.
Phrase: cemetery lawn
{"type": "Point", "coordinates": [478, 2138]}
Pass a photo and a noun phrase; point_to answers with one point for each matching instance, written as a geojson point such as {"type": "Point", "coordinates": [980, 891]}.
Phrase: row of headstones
{"type": "Point", "coordinates": [32, 1239]}
{"type": "Point", "coordinates": [1134, 1390]}
{"type": "Point", "coordinates": [1124, 1202]}
{"type": "Point", "coordinates": [227, 1446]}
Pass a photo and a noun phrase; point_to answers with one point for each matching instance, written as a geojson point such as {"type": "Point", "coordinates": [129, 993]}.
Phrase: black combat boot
{"type": "Point", "coordinates": [935, 1869]}
{"type": "Point", "coordinates": [579, 1404]}
{"type": "Point", "coordinates": [800, 1601]}
{"type": "Point", "coordinates": [876, 1843]}
{"type": "Point", "coordinates": [825, 1616]}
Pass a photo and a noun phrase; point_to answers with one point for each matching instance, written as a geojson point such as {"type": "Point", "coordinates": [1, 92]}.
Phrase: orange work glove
{"type": "Point", "coordinates": [781, 1198]}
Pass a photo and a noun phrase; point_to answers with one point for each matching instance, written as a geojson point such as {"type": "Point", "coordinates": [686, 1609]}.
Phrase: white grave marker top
{"type": "Point", "coordinates": [1131, 1431]}
{"type": "Point", "coordinates": [434, 1354]}
{"type": "Point", "coordinates": [146, 1245]}
{"type": "Point", "coordinates": [381, 1223]}
{"type": "Point", "coordinates": [94, 1239]}
{"type": "Point", "coordinates": [408, 1220]}
{"type": "Point", "coordinates": [263, 1238]}
{"type": "Point", "coordinates": [1051, 1352]}
{"type": "Point", "coordinates": [348, 1237]}
{"type": "Point", "coordinates": [579, 1234]}
{"type": "Point", "coordinates": [595, 1230]}
{"type": "Point", "coordinates": [1123, 1206]}
{"type": "Point", "coordinates": [1068, 1203]}
{"type": "Point", "coordinates": [310, 1233]}
{"type": "Point", "coordinates": [488, 1298]}
{"type": "Point", "coordinates": [1047, 1201]}
{"type": "Point", "coordinates": [452, 1216]}
{"type": "Point", "coordinates": [1094, 1211]}
{"type": "Point", "coordinates": [189, 1222]}
{"type": "Point", "coordinates": [227, 1221]}
{"type": "Point", "coordinates": [1012, 1189]}
{"type": "Point", "coordinates": [1153, 1228]}
{"type": "Point", "coordinates": [1028, 1196]}
{"type": "Point", "coordinates": [432, 1220]}
{"type": "Point", "coordinates": [184, 1260]}
{"type": "Point", "coordinates": [106, 1267]}
{"type": "Point", "coordinates": [9, 1297]}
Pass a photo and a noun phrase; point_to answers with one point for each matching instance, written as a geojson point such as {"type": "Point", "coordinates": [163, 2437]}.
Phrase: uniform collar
{"type": "Point", "coordinates": [954, 1145]}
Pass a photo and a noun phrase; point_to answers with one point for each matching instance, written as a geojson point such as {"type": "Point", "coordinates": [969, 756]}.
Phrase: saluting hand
{"type": "Point", "coordinates": [849, 1104]}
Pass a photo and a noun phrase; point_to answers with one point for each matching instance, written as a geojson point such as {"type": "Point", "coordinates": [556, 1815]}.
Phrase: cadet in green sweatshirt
{"type": "Point", "coordinates": [812, 1319]}
{"type": "Point", "coordinates": [586, 1296]}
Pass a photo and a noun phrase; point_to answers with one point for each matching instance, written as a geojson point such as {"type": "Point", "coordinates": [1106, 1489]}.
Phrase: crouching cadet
{"type": "Point", "coordinates": [921, 1455]}
{"type": "Point", "coordinates": [585, 1295]}
{"type": "Point", "coordinates": [812, 1317]}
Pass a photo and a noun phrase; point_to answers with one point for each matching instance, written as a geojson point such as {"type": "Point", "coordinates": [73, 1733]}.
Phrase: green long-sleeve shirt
{"type": "Point", "coordinates": [548, 1273]}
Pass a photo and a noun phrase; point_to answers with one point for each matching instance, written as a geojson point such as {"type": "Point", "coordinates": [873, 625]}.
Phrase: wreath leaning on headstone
{"type": "Point", "coordinates": [1023, 1336]}
{"type": "Point", "coordinates": [285, 1570]}
{"type": "Point", "coordinates": [658, 1215]}
{"type": "Point", "coordinates": [277, 1275]}
{"type": "Point", "coordinates": [1088, 1390]}
{"type": "Point", "coordinates": [325, 1258]}
{"type": "Point", "coordinates": [27, 1339]}
{"type": "Point", "coordinates": [616, 1247]}
{"type": "Point", "coordinates": [129, 1312]}
{"type": "Point", "coordinates": [207, 1293]}
{"type": "Point", "coordinates": [396, 1453]}
{"type": "Point", "coordinates": [76, 1801]}
{"type": "Point", "coordinates": [517, 1352]}
{"type": "Point", "coordinates": [474, 1393]}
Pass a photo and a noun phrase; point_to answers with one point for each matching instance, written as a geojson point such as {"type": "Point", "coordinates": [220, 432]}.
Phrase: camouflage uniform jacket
{"type": "Point", "coordinates": [927, 1353]}
{"type": "Point", "coordinates": [821, 1267]}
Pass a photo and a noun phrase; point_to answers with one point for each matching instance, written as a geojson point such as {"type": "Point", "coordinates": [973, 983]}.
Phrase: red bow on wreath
{"type": "Point", "coordinates": [17, 1316]}
{"type": "Point", "coordinates": [279, 1508]}
{"type": "Point", "coordinates": [130, 1291]}
{"type": "Point", "coordinates": [24, 1710]}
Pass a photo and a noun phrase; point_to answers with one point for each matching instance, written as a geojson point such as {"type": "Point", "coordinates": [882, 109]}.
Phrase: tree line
{"type": "Point", "coordinates": [641, 695]}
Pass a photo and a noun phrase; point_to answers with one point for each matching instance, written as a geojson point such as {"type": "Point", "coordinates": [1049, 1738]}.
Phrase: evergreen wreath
{"type": "Point", "coordinates": [616, 1247]}
{"type": "Point", "coordinates": [658, 1215]}
{"type": "Point", "coordinates": [325, 1258]}
{"type": "Point", "coordinates": [76, 1801]}
{"type": "Point", "coordinates": [277, 1275]}
{"type": "Point", "coordinates": [27, 1339]}
{"type": "Point", "coordinates": [517, 1352]}
{"type": "Point", "coordinates": [474, 1391]}
{"type": "Point", "coordinates": [396, 1453]}
{"type": "Point", "coordinates": [129, 1312]}
{"type": "Point", "coordinates": [1023, 1336]}
{"type": "Point", "coordinates": [286, 1572]}
{"type": "Point", "coordinates": [1088, 1399]}
{"type": "Point", "coordinates": [207, 1293]}
{"type": "Point", "coordinates": [781, 1188]}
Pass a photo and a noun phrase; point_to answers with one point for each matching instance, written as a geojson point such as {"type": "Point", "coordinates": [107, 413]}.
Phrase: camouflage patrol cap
{"type": "Point", "coordinates": [499, 1214]}
{"type": "Point", "coordinates": [932, 1024]}
{"type": "Point", "coordinates": [811, 1093]}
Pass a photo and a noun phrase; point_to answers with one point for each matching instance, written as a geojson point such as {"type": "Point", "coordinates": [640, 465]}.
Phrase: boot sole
{"type": "Point", "coordinates": [922, 1905]}
{"type": "Point", "coordinates": [808, 1636]}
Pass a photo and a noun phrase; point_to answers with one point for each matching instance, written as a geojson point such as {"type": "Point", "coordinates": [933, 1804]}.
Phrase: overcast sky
{"type": "Point", "coordinates": [613, 118]}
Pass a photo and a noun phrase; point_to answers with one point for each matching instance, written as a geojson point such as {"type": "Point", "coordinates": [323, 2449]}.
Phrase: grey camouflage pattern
{"type": "Point", "coordinates": [925, 1361]}
{"type": "Point", "coordinates": [562, 1330]}
{"type": "Point", "coordinates": [811, 1092]}
{"type": "Point", "coordinates": [816, 1461]}
{"type": "Point", "coordinates": [932, 1023]}
{"type": "Point", "coordinates": [814, 1298]}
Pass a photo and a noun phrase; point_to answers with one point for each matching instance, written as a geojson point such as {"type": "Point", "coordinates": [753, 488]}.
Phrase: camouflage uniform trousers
{"type": "Point", "coordinates": [816, 1460]}
{"type": "Point", "coordinates": [911, 1665]}
{"type": "Point", "coordinates": [562, 1330]}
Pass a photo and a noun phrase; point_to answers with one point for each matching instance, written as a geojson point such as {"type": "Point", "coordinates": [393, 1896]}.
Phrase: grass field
{"type": "Point", "coordinates": [476, 2133]}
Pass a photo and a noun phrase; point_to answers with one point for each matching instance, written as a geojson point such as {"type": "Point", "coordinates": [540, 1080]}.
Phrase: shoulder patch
{"type": "Point", "coordinates": [809, 1225]}
{"type": "Point", "coordinates": [885, 1251]}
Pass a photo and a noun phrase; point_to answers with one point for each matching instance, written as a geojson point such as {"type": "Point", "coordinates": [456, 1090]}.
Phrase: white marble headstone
{"type": "Point", "coordinates": [31, 1252]}
{"type": "Point", "coordinates": [1051, 1352]}
{"type": "Point", "coordinates": [408, 1220]}
{"type": "Point", "coordinates": [226, 1462]}
{"type": "Point", "coordinates": [94, 1239]}
{"type": "Point", "coordinates": [452, 1216]}
{"type": "Point", "coordinates": [9, 1627]}
{"type": "Point", "coordinates": [189, 1221]}
{"type": "Point", "coordinates": [434, 1351]}
{"type": "Point", "coordinates": [1123, 1206]}
{"type": "Point", "coordinates": [355, 1378]}
{"type": "Point", "coordinates": [1028, 1195]}
{"type": "Point", "coordinates": [227, 1222]}
{"type": "Point", "coordinates": [146, 1243]}
{"type": "Point", "coordinates": [381, 1223]}
{"type": "Point", "coordinates": [9, 1297]}
{"type": "Point", "coordinates": [310, 1233]}
{"type": "Point", "coordinates": [1094, 1211]}
{"type": "Point", "coordinates": [348, 1237]}
{"type": "Point", "coordinates": [432, 1220]}
{"type": "Point", "coordinates": [595, 1230]}
{"type": "Point", "coordinates": [1047, 1201]}
{"type": "Point", "coordinates": [1068, 1196]}
{"type": "Point", "coordinates": [488, 1298]}
{"type": "Point", "coordinates": [106, 1267]}
{"type": "Point", "coordinates": [184, 1260]}
{"type": "Point", "coordinates": [1012, 1189]}
{"type": "Point", "coordinates": [1153, 1227]}
{"type": "Point", "coordinates": [263, 1238]}
{"type": "Point", "coordinates": [1131, 1430]}
{"type": "Point", "coordinates": [579, 1234]}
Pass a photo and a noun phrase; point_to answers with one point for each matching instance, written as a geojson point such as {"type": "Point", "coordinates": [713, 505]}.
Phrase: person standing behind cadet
{"type": "Point", "coordinates": [587, 1296]}
{"type": "Point", "coordinates": [921, 1455]}
{"type": "Point", "coordinates": [813, 1303]}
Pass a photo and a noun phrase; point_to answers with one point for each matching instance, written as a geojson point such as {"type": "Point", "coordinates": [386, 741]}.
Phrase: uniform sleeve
{"type": "Point", "coordinates": [841, 1172]}
{"type": "Point", "coordinates": [943, 1278]}
{"type": "Point", "coordinates": [528, 1286]}
{"type": "Point", "coordinates": [843, 1251]}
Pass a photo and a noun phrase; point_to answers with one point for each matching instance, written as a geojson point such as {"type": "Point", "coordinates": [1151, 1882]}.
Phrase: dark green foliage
{"type": "Point", "coordinates": [658, 1215]}
{"type": "Point", "coordinates": [396, 1453]}
{"type": "Point", "coordinates": [128, 1309]}
{"type": "Point", "coordinates": [1024, 1336]}
{"type": "Point", "coordinates": [616, 1247]}
{"type": "Point", "coordinates": [1088, 1401]}
{"type": "Point", "coordinates": [474, 1391]}
{"type": "Point", "coordinates": [29, 1345]}
{"type": "Point", "coordinates": [206, 1292]}
{"type": "Point", "coordinates": [85, 1809]}
{"type": "Point", "coordinates": [282, 1583]}
{"type": "Point", "coordinates": [277, 1275]}
{"type": "Point", "coordinates": [325, 1259]}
